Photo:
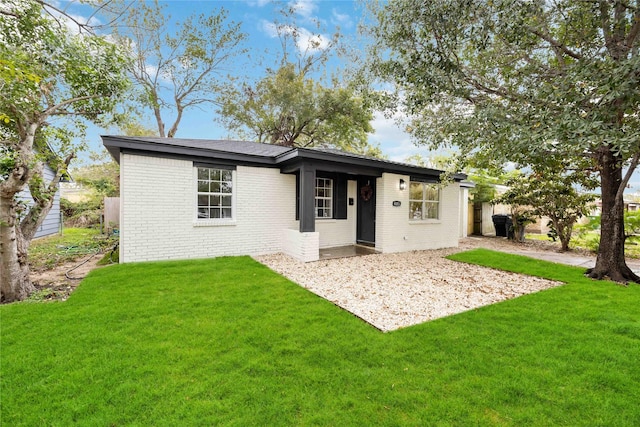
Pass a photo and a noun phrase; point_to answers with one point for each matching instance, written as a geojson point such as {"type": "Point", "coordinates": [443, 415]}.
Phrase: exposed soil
{"type": "Point", "coordinates": [57, 283]}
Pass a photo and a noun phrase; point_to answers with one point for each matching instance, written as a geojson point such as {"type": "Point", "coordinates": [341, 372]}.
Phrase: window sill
{"type": "Point", "coordinates": [326, 220]}
{"type": "Point", "coordinates": [214, 223]}
{"type": "Point", "coordinates": [424, 221]}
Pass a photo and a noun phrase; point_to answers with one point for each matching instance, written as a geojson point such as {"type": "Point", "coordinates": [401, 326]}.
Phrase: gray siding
{"type": "Point", "coordinates": [51, 224]}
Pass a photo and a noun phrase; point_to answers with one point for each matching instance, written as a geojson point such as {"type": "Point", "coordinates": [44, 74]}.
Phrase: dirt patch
{"type": "Point", "coordinates": [57, 283]}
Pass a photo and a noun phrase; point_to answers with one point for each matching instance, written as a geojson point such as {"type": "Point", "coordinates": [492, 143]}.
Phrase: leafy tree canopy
{"type": "Point", "coordinates": [523, 81]}
{"type": "Point", "coordinates": [51, 81]}
{"type": "Point", "coordinates": [286, 108]}
{"type": "Point", "coordinates": [558, 195]}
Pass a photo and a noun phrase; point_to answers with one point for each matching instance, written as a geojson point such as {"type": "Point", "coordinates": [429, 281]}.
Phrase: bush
{"type": "Point", "coordinates": [82, 214]}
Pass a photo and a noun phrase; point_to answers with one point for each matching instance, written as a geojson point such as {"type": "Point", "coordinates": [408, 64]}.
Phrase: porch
{"type": "Point", "coordinates": [346, 251]}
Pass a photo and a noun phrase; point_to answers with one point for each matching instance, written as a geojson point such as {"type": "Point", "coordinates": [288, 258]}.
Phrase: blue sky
{"type": "Point", "coordinates": [319, 18]}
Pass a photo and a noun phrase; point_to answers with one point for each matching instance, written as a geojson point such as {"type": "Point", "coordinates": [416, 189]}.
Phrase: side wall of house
{"type": "Point", "coordinates": [396, 233]}
{"type": "Point", "coordinates": [158, 212]}
{"type": "Point", "coordinates": [51, 223]}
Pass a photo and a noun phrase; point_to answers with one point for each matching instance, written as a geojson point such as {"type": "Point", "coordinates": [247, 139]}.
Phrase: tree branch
{"type": "Point", "coordinates": [554, 43]}
{"type": "Point", "coordinates": [625, 180]}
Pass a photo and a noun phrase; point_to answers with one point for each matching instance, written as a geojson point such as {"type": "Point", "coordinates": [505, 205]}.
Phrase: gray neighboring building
{"type": "Point", "coordinates": [52, 224]}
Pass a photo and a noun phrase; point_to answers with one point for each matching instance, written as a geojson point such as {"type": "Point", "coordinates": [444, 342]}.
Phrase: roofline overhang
{"type": "Point", "coordinates": [115, 145]}
{"type": "Point", "coordinates": [286, 160]}
{"type": "Point", "coordinates": [298, 154]}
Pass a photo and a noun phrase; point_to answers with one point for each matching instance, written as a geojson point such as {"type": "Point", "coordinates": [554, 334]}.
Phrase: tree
{"type": "Point", "coordinates": [550, 193]}
{"type": "Point", "coordinates": [286, 108]}
{"type": "Point", "coordinates": [177, 70]}
{"type": "Point", "coordinates": [523, 81]}
{"type": "Point", "coordinates": [47, 74]}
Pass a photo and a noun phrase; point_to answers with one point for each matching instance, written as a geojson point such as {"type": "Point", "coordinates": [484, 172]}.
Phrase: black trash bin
{"type": "Point", "coordinates": [502, 223]}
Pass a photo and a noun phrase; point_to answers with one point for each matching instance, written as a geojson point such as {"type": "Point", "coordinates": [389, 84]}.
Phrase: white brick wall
{"type": "Point", "coordinates": [158, 219]}
{"type": "Point", "coordinates": [302, 246]}
{"type": "Point", "coordinates": [396, 233]}
{"type": "Point", "coordinates": [158, 215]}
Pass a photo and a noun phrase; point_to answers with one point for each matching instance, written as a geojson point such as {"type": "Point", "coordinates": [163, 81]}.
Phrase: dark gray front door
{"type": "Point", "coordinates": [366, 228]}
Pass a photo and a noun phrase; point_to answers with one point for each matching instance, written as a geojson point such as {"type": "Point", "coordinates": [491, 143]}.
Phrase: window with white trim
{"type": "Point", "coordinates": [324, 198]}
{"type": "Point", "coordinates": [424, 201]}
{"type": "Point", "coordinates": [215, 193]}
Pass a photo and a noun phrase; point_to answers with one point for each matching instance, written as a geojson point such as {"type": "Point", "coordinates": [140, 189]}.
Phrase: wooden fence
{"type": "Point", "coordinates": [111, 213]}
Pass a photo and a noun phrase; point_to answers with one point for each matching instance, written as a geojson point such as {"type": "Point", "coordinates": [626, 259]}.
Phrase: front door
{"type": "Point", "coordinates": [366, 227]}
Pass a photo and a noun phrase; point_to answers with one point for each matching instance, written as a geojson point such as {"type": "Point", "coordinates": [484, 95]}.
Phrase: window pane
{"type": "Point", "coordinates": [431, 210]}
{"type": "Point", "coordinates": [415, 191]}
{"type": "Point", "coordinates": [211, 184]}
{"type": "Point", "coordinates": [415, 210]}
{"type": "Point", "coordinates": [203, 173]}
{"type": "Point", "coordinates": [225, 187]}
{"type": "Point", "coordinates": [431, 192]}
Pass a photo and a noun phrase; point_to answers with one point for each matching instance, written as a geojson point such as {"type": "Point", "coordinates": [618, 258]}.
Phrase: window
{"type": "Point", "coordinates": [215, 193]}
{"type": "Point", "coordinates": [424, 201]}
{"type": "Point", "coordinates": [324, 195]}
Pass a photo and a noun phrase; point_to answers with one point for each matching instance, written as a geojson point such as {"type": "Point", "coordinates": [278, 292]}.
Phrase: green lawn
{"type": "Point", "coordinates": [228, 342]}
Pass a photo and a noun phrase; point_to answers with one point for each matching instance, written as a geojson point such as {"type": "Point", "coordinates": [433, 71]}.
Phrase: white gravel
{"type": "Point", "coordinates": [392, 291]}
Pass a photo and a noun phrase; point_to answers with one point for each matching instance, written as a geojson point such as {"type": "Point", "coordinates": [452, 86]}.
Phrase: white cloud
{"type": "Point", "coordinates": [270, 28]}
{"type": "Point", "coordinates": [342, 19]}
{"type": "Point", "coordinates": [258, 3]}
{"type": "Point", "coordinates": [304, 7]}
{"type": "Point", "coordinates": [309, 42]}
{"type": "Point", "coordinates": [394, 141]}
{"type": "Point", "coordinates": [306, 41]}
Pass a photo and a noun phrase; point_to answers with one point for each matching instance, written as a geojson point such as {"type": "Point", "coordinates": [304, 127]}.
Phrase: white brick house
{"type": "Point", "coordinates": [185, 198]}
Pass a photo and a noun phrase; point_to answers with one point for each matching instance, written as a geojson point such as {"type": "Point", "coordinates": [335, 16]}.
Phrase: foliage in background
{"type": "Point", "coordinates": [485, 190]}
{"type": "Point", "coordinates": [517, 81]}
{"type": "Point", "coordinates": [550, 192]}
{"type": "Point", "coordinates": [52, 80]}
{"type": "Point", "coordinates": [287, 108]}
{"type": "Point", "coordinates": [97, 179]}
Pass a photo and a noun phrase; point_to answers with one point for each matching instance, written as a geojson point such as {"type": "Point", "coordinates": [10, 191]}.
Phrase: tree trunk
{"type": "Point", "coordinates": [14, 266]}
{"type": "Point", "coordinates": [564, 233]}
{"type": "Point", "coordinates": [611, 262]}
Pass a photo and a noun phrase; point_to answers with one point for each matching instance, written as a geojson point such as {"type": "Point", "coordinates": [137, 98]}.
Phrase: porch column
{"type": "Point", "coordinates": [307, 213]}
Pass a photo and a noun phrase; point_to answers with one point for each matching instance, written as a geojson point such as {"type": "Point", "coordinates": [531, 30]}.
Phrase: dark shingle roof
{"type": "Point", "coordinates": [257, 153]}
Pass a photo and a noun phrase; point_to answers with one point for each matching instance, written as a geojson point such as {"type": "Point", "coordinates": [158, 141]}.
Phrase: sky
{"type": "Point", "coordinates": [319, 18]}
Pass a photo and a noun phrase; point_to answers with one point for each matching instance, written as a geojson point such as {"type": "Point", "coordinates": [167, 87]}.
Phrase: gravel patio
{"type": "Point", "coordinates": [393, 291]}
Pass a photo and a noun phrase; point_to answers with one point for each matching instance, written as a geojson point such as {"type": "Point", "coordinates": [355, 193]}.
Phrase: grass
{"type": "Point", "coordinates": [48, 252]}
{"type": "Point", "coordinates": [228, 342]}
{"type": "Point", "coordinates": [590, 241]}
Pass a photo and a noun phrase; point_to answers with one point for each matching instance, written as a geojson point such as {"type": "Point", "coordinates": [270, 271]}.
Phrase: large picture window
{"type": "Point", "coordinates": [324, 198]}
{"type": "Point", "coordinates": [215, 193]}
{"type": "Point", "coordinates": [424, 201]}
